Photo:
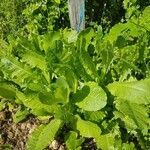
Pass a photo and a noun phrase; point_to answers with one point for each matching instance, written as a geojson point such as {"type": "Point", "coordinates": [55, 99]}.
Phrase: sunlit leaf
{"type": "Point", "coordinates": [91, 98]}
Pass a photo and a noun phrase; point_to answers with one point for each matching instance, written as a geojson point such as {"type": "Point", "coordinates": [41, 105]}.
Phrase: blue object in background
{"type": "Point", "coordinates": [77, 14]}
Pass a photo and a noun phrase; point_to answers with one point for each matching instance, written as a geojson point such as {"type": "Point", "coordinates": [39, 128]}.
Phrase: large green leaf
{"type": "Point", "coordinates": [91, 130]}
{"type": "Point", "coordinates": [88, 129]}
{"type": "Point", "coordinates": [50, 39]}
{"type": "Point", "coordinates": [43, 135]}
{"type": "Point", "coordinates": [33, 102]}
{"type": "Point", "coordinates": [36, 60]}
{"type": "Point", "coordinates": [129, 123]}
{"type": "Point", "coordinates": [91, 98]}
{"type": "Point", "coordinates": [57, 1]}
{"type": "Point", "coordinates": [136, 113]}
{"type": "Point", "coordinates": [95, 116]}
{"type": "Point", "coordinates": [88, 64]}
{"type": "Point", "coordinates": [72, 142]}
{"type": "Point", "coordinates": [107, 55]}
{"type": "Point", "coordinates": [115, 32]}
{"type": "Point", "coordinates": [17, 71]}
{"type": "Point", "coordinates": [106, 142]}
{"type": "Point", "coordinates": [20, 115]}
{"type": "Point", "coordinates": [7, 91]}
{"type": "Point", "coordinates": [71, 79]}
{"type": "Point", "coordinates": [62, 91]}
{"type": "Point", "coordinates": [135, 92]}
{"type": "Point", "coordinates": [145, 18]}
{"type": "Point", "coordinates": [80, 70]}
{"type": "Point", "coordinates": [84, 38]}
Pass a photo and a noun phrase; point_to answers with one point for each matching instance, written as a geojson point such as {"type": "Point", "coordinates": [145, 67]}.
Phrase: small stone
{"type": "Point", "coordinates": [17, 132]}
{"type": "Point", "coordinates": [1, 141]}
{"type": "Point", "coordinates": [30, 131]}
{"type": "Point", "coordinates": [28, 125]}
{"type": "Point", "coordinates": [13, 126]}
{"type": "Point", "coordinates": [61, 147]}
{"type": "Point", "coordinates": [23, 126]}
{"type": "Point", "coordinates": [21, 145]}
{"type": "Point", "coordinates": [54, 145]}
{"type": "Point", "coordinates": [2, 116]}
{"type": "Point", "coordinates": [10, 135]}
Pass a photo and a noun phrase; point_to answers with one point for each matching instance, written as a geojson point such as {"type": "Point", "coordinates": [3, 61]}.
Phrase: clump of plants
{"type": "Point", "coordinates": [94, 84]}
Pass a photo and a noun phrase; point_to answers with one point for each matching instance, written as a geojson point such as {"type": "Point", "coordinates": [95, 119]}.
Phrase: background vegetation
{"type": "Point", "coordinates": [42, 16]}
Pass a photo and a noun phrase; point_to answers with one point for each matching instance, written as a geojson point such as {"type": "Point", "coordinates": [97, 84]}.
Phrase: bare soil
{"type": "Point", "coordinates": [14, 136]}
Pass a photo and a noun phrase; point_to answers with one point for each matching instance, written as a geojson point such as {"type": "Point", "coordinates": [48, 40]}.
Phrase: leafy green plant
{"type": "Point", "coordinates": [90, 82]}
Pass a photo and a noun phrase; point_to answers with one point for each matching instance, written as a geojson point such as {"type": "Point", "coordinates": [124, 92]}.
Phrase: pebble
{"type": "Point", "coordinates": [23, 126]}
{"type": "Point", "coordinates": [29, 126]}
{"type": "Point", "coordinates": [1, 141]}
{"type": "Point", "coordinates": [2, 116]}
{"type": "Point", "coordinates": [54, 145]}
{"type": "Point", "coordinates": [61, 147]}
{"type": "Point", "coordinates": [10, 135]}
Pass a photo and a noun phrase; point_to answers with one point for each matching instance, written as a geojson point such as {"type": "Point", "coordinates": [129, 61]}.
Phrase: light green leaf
{"type": "Point", "coordinates": [17, 71]}
{"type": "Point", "coordinates": [20, 115]}
{"type": "Point", "coordinates": [50, 39]}
{"type": "Point", "coordinates": [107, 56]}
{"type": "Point", "coordinates": [88, 129]}
{"type": "Point", "coordinates": [126, 146]}
{"type": "Point", "coordinates": [145, 18]}
{"type": "Point", "coordinates": [33, 102]}
{"type": "Point", "coordinates": [62, 91]}
{"type": "Point", "coordinates": [106, 142]}
{"type": "Point", "coordinates": [57, 1]}
{"type": "Point", "coordinates": [95, 99]}
{"type": "Point", "coordinates": [88, 64]}
{"type": "Point", "coordinates": [7, 91]}
{"type": "Point", "coordinates": [35, 60]}
{"type": "Point", "coordinates": [70, 36]}
{"type": "Point", "coordinates": [129, 123]}
{"type": "Point", "coordinates": [135, 92]}
{"type": "Point", "coordinates": [94, 115]}
{"type": "Point", "coordinates": [115, 31]}
{"type": "Point", "coordinates": [2, 104]}
{"type": "Point", "coordinates": [72, 142]}
{"type": "Point", "coordinates": [135, 112]}
{"type": "Point", "coordinates": [84, 38]}
{"type": "Point", "coordinates": [71, 79]}
{"type": "Point", "coordinates": [43, 135]}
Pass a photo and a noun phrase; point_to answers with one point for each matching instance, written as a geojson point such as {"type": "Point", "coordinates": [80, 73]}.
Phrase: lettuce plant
{"type": "Point", "coordinates": [95, 84]}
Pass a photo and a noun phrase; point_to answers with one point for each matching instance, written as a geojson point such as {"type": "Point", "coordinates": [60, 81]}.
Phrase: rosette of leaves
{"type": "Point", "coordinates": [69, 79]}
